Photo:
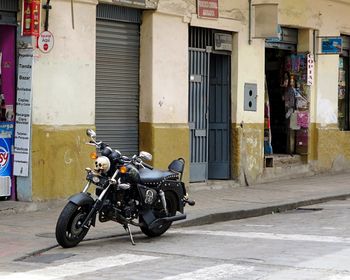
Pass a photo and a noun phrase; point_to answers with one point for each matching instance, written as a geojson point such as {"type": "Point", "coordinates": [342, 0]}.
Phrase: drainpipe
{"type": "Point", "coordinates": [250, 22]}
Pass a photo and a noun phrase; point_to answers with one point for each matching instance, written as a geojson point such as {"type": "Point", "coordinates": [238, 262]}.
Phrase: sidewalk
{"type": "Point", "coordinates": [27, 228]}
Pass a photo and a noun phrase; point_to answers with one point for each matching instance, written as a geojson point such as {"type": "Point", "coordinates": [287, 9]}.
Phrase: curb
{"type": "Point", "coordinates": [17, 207]}
{"type": "Point", "coordinates": [250, 213]}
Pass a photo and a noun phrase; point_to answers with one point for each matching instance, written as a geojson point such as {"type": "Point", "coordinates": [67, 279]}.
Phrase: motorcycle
{"type": "Point", "coordinates": [127, 191]}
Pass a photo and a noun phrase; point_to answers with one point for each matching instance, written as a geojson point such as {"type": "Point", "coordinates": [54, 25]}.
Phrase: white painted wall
{"type": "Point", "coordinates": [164, 69]}
{"type": "Point", "coordinates": [64, 79]}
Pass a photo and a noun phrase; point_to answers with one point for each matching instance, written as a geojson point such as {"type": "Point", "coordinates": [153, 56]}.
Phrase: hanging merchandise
{"type": "Point", "coordinates": [293, 124]}
{"type": "Point", "coordinates": [303, 119]}
{"type": "Point", "coordinates": [267, 124]}
{"type": "Point", "coordinates": [296, 99]}
{"type": "Point", "coordinates": [341, 94]}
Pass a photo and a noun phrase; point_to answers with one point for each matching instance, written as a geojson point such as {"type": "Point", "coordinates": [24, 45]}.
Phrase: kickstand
{"type": "Point", "coordinates": [127, 228]}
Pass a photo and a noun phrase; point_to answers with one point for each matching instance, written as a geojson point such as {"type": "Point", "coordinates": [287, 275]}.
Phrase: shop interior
{"type": "Point", "coordinates": [286, 102]}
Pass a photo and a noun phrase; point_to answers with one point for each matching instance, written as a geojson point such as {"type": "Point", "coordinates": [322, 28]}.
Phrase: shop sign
{"type": "Point", "coordinates": [23, 112]}
{"type": "Point", "coordinates": [31, 17]}
{"type": "Point", "coordinates": [45, 41]}
{"type": "Point", "coordinates": [208, 8]}
{"type": "Point", "coordinates": [310, 69]}
{"type": "Point", "coordinates": [331, 45]}
{"type": "Point", "coordinates": [223, 42]}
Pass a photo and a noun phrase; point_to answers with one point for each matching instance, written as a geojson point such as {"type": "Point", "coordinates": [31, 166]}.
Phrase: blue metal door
{"type": "Point", "coordinates": [219, 117]}
{"type": "Point", "coordinates": [198, 113]}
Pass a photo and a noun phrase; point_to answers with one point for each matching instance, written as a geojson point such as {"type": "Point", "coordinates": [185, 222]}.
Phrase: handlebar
{"type": "Point", "coordinates": [136, 160]}
{"type": "Point", "coordinates": [147, 166]}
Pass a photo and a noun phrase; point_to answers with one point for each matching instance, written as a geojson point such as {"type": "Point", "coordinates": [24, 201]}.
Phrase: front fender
{"type": "Point", "coordinates": [81, 199]}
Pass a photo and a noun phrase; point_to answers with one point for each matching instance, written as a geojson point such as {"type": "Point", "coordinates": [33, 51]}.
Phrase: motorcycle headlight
{"type": "Point", "coordinates": [102, 164]}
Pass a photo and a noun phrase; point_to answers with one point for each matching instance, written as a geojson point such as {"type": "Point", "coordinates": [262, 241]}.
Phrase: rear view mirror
{"type": "Point", "coordinates": [145, 156]}
{"type": "Point", "coordinates": [91, 133]}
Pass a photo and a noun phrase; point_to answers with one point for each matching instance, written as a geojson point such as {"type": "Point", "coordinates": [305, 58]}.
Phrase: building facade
{"type": "Point", "coordinates": [202, 80]}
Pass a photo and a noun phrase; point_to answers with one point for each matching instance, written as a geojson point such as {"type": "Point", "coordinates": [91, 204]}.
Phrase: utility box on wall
{"type": "Point", "coordinates": [250, 97]}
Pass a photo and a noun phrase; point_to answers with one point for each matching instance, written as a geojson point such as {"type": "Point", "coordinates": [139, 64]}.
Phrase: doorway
{"type": "Point", "coordinates": [209, 107]}
{"type": "Point", "coordinates": [274, 65]}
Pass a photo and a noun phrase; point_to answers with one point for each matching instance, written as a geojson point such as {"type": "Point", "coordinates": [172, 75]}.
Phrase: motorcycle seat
{"type": "Point", "coordinates": [154, 177]}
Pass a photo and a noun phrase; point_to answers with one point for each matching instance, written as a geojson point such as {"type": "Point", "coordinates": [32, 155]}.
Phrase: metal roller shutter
{"type": "Point", "coordinates": [9, 5]}
{"type": "Point", "coordinates": [117, 84]}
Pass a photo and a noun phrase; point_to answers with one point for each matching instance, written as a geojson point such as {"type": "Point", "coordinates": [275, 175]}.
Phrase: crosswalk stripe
{"type": "Point", "coordinates": [76, 268]}
{"type": "Point", "coordinates": [264, 235]}
{"type": "Point", "coordinates": [223, 271]}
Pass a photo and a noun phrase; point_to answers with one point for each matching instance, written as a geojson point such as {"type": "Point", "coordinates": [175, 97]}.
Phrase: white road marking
{"type": "Point", "coordinates": [218, 272]}
{"type": "Point", "coordinates": [264, 235]}
{"type": "Point", "coordinates": [76, 268]}
{"type": "Point", "coordinates": [251, 225]}
{"type": "Point", "coordinates": [339, 277]}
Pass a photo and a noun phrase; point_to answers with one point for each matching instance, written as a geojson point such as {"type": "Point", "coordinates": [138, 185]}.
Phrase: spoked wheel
{"type": "Point", "coordinates": [68, 230]}
{"type": "Point", "coordinates": [158, 211]}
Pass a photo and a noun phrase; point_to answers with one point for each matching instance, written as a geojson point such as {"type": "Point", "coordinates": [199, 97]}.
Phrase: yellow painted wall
{"type": "Point", "coordinates": [59, 159]}
{"type": "Point", "coordinates": [248, 148]}
{"type": "Point", "coordinates": [166, 142]}
{"type": "Point", "coordinates": [333, 148]}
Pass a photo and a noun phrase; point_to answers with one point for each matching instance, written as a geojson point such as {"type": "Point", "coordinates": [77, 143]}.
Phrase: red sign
{"type": "Point", "coordinates": [45, 41]}
{"type": "Point", "coordinates": [208, 8]}
{"type": "Point", "coordinates": [31, 17]}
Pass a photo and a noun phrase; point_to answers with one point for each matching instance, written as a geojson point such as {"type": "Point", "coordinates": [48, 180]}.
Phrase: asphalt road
{"type": "Point", "coordinates": [309, 243]}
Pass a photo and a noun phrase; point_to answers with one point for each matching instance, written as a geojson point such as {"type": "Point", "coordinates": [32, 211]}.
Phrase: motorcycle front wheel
{"type": "Point", "coordinates": [158, 211]}
{"type": "Point", "coordinates": [68, 230]}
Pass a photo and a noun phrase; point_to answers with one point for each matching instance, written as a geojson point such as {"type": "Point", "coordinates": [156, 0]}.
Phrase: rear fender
{"type": "Point", "coordinates": [178, 189]}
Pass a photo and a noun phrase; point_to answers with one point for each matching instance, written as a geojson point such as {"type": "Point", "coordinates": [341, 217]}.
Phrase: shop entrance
{"type": "Point", "coordinates": [287, 90]}
{"type": "Point", "coordinates": [275, 63]}
{"type": "Point", "coordinates": [7, 101]}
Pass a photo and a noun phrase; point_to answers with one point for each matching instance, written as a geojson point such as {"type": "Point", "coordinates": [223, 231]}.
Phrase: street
{"type": "Point", "coordinates": [308, 243]}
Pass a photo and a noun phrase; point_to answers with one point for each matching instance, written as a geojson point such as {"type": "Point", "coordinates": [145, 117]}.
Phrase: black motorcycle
{"type": "Point", "coordinates": [127, 191]}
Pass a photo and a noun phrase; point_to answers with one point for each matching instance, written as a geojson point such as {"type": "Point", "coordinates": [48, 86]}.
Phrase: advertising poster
{"type": "Point", "coordinates": [6, 141]}
{"type": "Point", "coordinates": [31, 17]}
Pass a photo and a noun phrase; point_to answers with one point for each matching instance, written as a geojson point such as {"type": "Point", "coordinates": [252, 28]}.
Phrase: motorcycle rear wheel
{"type": "Point", "coordinates": [68, 230]}
{"type": "Point", "coordinates": [171, 202]}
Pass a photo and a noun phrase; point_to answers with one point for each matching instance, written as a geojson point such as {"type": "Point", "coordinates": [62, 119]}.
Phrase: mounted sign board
{"type": "Point", "coordinates": [266, 20]}
{"type": "Point", "coordinates": [23, 113]}
{"type": "Point", "coordinates": [208, 8]}
{"type": "Point", "coordinates": [45, 41]}
{"type": "Point", "coordinates": [331, 45]}
{"type": "Point", "coordinates": [310, 69]}
{"type": "Point", "coordinates": [223, 42]}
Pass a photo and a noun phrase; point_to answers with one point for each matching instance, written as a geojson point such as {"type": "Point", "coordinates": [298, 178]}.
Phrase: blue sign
{"type": "Point", "coordinates": [331, 45]}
